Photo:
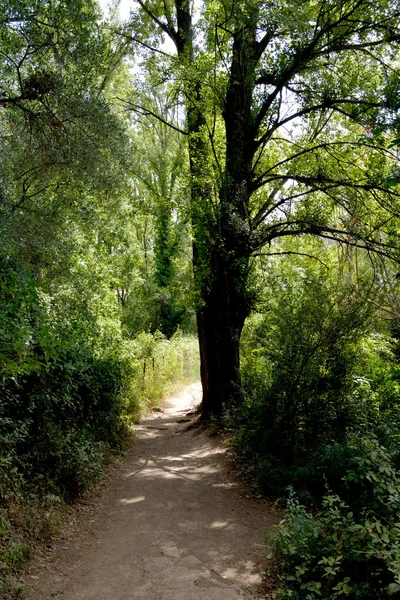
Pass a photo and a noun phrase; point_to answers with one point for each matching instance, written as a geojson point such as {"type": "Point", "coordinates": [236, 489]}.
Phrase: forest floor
{"type": "Point", "coordinates": [174, 522]}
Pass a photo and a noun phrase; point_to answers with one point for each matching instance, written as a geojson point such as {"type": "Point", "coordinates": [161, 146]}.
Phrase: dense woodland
{"type": "Point", "coordinates": [219, 171]}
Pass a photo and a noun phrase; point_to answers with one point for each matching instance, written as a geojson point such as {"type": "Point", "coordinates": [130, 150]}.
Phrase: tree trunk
{"type": "Point", "coordinates": [226, 298]}
{"type": "Point", "coordinates": [220, 322]}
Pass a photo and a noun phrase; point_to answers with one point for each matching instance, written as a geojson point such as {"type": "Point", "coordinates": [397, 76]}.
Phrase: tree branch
{"type": "Point", "coordinates": [310, 52]}
{"type": "Point", "coordinates": [145, 112]}
{"type": "Point", "coordinates": [328, 104]}
{"type": "Point", "coordinates": [290, 252]}
{"type": "Point", "coordinates": [327, 146]}
{"type": "Point", "coordinates": [133, 38]}
{"type": "Point", "coordinates": [320, 230]}
{"type": "Point", "coordinates": [262, 44]}
{"type": "Point", "coordinates": [164, 26]}
{"type": "Point", "coordinates": [319, 179]}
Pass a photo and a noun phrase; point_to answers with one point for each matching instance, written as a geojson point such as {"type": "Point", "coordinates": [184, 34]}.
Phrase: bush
{"type": "Point", "coordinates": [70, 384]}
{"type": "Point", "coordinates": [307, 347]}
{"type": "Point", "coordinates": [351, 548]}
{"type": "Point", "coordinates": [314, 366]}
{"type": "Point", "coordinates": [58, 425]}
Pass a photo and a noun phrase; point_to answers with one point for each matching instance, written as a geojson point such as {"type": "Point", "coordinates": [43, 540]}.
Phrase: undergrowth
{"type": "Point", "coordinates": [350, 547]}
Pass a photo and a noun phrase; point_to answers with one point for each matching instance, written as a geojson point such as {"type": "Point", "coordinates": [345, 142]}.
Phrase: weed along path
{"type": "Point", "coordinates": [173, 524]}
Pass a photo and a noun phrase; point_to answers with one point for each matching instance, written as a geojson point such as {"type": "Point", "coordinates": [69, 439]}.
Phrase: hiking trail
{"type": "Point", "coordinates": [172, 524]}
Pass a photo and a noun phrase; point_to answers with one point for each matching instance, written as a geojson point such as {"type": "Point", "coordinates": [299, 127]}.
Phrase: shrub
{"type": "Point", "coordinates": [314, 365]}
{"type": "Point", "coordinates": [351, 548]}
{"type": "Point", "coordinates": [59, 423]}
{"type": "Point", "coordinates": [306, 355]}
{"type": "Point", "coordinates": [69, 384]}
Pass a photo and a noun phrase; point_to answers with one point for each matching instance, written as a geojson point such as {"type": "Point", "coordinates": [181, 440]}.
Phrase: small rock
{"type": "Point", "coordinates": [170, 549]}
{"type": "Point", "coordinates": [190, 561]}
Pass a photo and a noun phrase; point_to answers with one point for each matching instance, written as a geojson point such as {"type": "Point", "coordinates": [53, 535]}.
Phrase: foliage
{"type": "Point", "coordinates": [162, 186]}
{"type": "Point", "coordinates": [71, 253]}
{"type": "Point", "coordinates": [320, 352]}
{"type": "Point", "coordinates": [351, 547]}
{"type": "Point", "coordinates": [301, 361]}
{"type": "Point", "coordinates": [59, 424]}
{"type": "Point", "coordinates": [291, 117]}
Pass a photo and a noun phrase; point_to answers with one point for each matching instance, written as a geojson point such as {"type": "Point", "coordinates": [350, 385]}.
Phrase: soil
{"type": "Point", "coordinates": [173, 523]}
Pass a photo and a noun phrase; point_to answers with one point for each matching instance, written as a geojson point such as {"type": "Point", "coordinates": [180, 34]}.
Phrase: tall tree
{"type": "Point", "coordinates": [282, 103]}
{"type": "Point", "coordinates": [57, 129]}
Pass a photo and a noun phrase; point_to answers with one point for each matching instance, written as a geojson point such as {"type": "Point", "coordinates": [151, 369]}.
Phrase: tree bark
{"type": "Point", "coordinates": [220, 322]}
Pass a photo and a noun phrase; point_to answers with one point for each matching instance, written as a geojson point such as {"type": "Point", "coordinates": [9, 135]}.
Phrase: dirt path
{"type": "Point", "coordinates": [172, 525]}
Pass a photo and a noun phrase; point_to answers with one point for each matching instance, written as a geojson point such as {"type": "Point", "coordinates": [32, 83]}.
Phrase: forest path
{"type": "Point", "coordinates": [173, 524]}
